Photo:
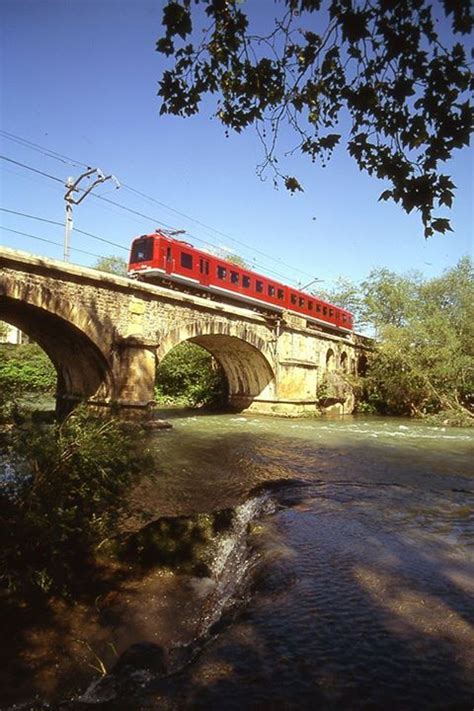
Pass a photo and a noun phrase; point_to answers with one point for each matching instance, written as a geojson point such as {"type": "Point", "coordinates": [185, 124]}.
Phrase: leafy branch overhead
{"type": "Point", "coordinates": [389, 74]}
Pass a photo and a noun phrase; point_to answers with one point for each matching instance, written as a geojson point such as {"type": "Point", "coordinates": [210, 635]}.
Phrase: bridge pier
{"type": "Point", "coordinates": [104, 335]}
{"type": "Point", "coordinates": [133, 371]}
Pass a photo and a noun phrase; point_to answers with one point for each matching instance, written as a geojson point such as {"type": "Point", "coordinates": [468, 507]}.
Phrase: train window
{"type": "Point", "coordinates": [344, 319]}
{"type": "Point", "coordinates": [280, 294]}
{"type": "Point", "coordinates": [221, 272]}
{"type": "Point", "coordinates": [301, 301]}
{"type": "Point", "coordinates": [293, 298]}
{"type": "Point", "coordinates": [259, 286]}
{"type": "Point", "coordinates": [310, 305]}
{"type": "Point", "coordinates": [331, 312]}
{"type": "Point", "coordinates": [318, 308]}
{"type": "Point", "coordinates": [142, 251]}
{"type": "Point", "coordinates": [168, 254]}
{"type": "Point", "coordinates": [325, 310]}
{"type": "Point", "coordinates": [204, 266]}
{"type": "Point", "coordinates": [271, 290]}
{"type": "Point", "coordinates": [246, 281]}
{"type": "Point", "coordinates": [234, 277]}
{"type": "Point", "coordinates": [186, 260]}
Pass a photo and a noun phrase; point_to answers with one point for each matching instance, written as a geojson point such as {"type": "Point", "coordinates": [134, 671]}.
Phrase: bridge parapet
{"type": "Point", "coordinates": [105, 334]}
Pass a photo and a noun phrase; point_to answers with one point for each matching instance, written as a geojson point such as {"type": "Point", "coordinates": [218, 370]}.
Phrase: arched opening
{"type": "Point", "coordinates": [190, 376]}
{"type": "Point", "coordinates": [362, 365]}
{"type": "Point", "coordinates": [247, 372]}
{"type": "Point", "coordinates": [344, 362]}
{"type": "Point", "coordinates": [27, 376]}
{"type": "Point", "coordinates": [330, 360]}
{"type": "Point", "coordinates": [82, 370]}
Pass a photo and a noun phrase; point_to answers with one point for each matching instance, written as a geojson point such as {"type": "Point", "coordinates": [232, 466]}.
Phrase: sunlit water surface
{"type": "Point", "coordinates": [354, 584]}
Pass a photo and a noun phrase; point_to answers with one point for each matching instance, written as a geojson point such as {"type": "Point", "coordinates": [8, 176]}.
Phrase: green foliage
{"type": "Point", "coordinates": [424, 361]}
{"type": "Point", "coordinates": [190, 376]}
{"type": "Point", "coordinates": [384, 64]}
{"type": "Point", "coordinates": [61, 495]}
{"type": "Point", "coordinates": [26, 368]}
{"type": "Point", "coordinates": [3, 330]}
{"type": "Point", "coordinates": [113, 265]}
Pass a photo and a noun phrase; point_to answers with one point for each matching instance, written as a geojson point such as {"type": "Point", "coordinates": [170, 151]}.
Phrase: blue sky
{"type": "Point", "coordinates": [80, 77]}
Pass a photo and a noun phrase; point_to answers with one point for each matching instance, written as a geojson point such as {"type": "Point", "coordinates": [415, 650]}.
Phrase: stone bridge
{"type": "Point", "coordinates": [105, 336]}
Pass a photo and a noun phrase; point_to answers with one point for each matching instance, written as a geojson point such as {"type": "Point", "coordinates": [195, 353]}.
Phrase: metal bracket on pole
{"type": "Point", "coordinates": [72, 186]}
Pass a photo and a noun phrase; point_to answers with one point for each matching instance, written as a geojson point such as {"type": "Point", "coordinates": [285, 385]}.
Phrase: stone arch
{"type": "Point", "coordinates": [239, 351]}
{"type": "Point", "coordinates": [81, 367]}
{"type": "Point", "coordinates": [330, 360]}
{"type": "Point", "coordinates": [344, 362]}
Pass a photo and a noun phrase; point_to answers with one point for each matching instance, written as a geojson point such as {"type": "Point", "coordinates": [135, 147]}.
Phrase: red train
{"type": "Point", "coordinates": [164, 258]}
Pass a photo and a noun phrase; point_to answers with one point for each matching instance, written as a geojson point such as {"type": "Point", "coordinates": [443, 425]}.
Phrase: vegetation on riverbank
{"type": "Point", "coordinates": [25, 370]}
{"type": "Point", "coordinates": [423, 363]}
{"type": "Point", "coordinates": [62, 496]}
{"type": "Point", "coordinates": [190, 377]}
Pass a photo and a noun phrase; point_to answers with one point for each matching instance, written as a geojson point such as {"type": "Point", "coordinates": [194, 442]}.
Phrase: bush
{"type": "Point", "coordinates": [189, 376]}
{"type": "Point", "coordinates": [62, 493]}
{"type": "Point", "coordinates": [26, 368]}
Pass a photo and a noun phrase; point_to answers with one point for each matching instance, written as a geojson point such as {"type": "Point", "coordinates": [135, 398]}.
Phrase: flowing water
{"type": "Point", "coordinates": [345, 579]}
{"type": "Point", "coordinates": [336, 570]}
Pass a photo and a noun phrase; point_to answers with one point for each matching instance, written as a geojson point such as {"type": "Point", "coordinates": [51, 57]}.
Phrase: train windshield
{"type": "Point", "coordinates": [142, 250]}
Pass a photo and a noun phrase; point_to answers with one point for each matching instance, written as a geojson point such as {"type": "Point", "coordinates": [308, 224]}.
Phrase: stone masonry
{"type": "Point", "coordinates": [106, 334]}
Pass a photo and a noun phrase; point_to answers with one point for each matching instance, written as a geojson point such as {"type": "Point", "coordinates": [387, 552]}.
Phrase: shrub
{"type": "Point", "coordinates": [62, 493]}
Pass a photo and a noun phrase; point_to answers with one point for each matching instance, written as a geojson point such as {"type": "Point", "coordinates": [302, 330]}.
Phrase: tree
{"type": "Point", "coordinates": [189, 374]}
{"type": "Point", "coordinates": [3, 331]}
{"type": "Point", "coordinates": [380, 66]}
{"type": "Point", "coordinates": [383, 298]}
{"type": "Point", "coordinates": [424, 361]}
{"type": "Point", "coordinates": [232, 258]}
{"type": "Point", "coordinates": [113, 265]}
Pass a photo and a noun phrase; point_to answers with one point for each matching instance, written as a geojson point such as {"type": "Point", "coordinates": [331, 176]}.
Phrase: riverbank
{"type": "Point", "coordinates": [340, 534]}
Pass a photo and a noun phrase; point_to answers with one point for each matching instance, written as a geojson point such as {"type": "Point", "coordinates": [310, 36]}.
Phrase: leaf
{"type": "Point", "coordinates": [177, 19]}
{"type": "Point", "coordinates": [441, 224]}
{"type": "Point", "coordinates": [386, 195]}
{"type": "Point", "coordinates": [292, 184]}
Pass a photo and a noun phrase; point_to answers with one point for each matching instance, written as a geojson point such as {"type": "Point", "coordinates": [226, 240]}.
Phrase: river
{"type": "Point", "coordinates": [339, 573]}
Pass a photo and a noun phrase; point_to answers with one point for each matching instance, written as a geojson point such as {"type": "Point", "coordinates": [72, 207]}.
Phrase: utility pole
{"type": "Point", "coordinates": [72, 185]}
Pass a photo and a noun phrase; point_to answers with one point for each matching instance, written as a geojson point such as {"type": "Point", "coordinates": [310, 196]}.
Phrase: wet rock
{"type": "Point", "coordinates": [135, 669]}
{"type": "Point", "coordinates": [180, 543]}
{"type": "Point", "coordinates": [157, 425]}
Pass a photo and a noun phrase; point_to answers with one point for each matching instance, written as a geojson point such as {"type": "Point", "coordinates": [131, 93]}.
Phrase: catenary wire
{"type": "Point", "coordinates": [66, 159]}
{"type": "Point", "coordinates": [49, 241]}
{"type": "Point", "coordinates": [61, 224]}
{"type": "Point", "coordinates": [41, 149]}
{"type": "Point", "coordinates": [140, 214]}
{"type": "Point", "coordinates": [34, 170]}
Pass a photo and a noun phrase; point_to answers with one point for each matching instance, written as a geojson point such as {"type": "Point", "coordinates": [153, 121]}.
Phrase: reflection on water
{"type": "Point", "coordinates": [344, 578]}
{"type": "Point", "coordinates": [363, 578]}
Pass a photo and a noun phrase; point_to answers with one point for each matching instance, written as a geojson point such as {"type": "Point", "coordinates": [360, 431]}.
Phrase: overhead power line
{"type": "Point", "coordinates": [49, 241]}
{"type": "Point", "coordinates": [41, 149]}
{"type": "Point", "coordinates": [75, 229]}
{"type": "Point", "coordinates": [34, 170]}
{"type": "Point", "coordinates": [67, 159]}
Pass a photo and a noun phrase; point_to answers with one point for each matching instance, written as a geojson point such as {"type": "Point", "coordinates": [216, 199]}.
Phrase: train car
{"type": "Point", "coordinates": [160, 257]}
